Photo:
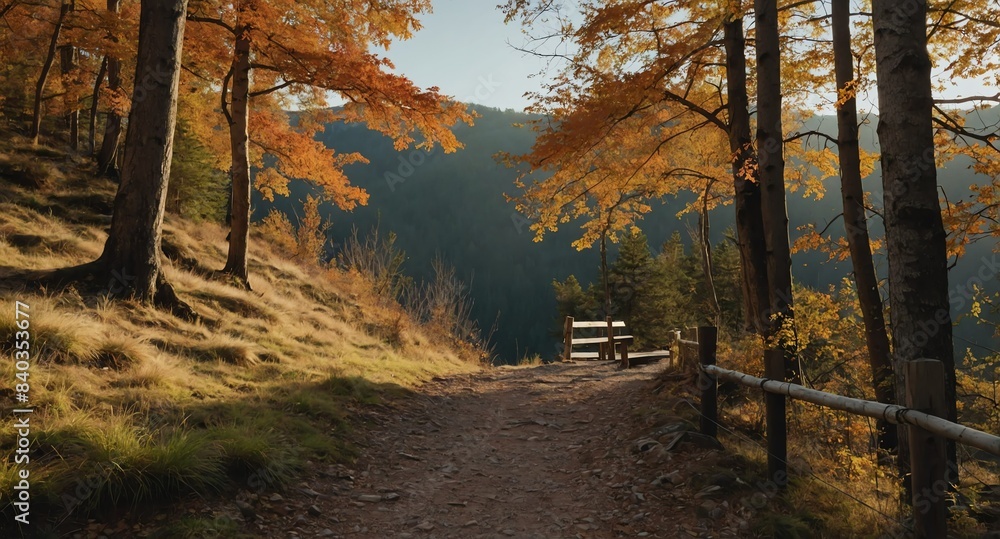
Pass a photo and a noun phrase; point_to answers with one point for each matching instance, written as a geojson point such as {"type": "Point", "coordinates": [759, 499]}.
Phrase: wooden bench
{"type": "Point", "coordinates": [612, 343]}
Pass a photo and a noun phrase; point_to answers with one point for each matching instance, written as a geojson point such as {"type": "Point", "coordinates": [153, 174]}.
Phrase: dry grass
{"type": "Point", "coordinates": [265, 380]}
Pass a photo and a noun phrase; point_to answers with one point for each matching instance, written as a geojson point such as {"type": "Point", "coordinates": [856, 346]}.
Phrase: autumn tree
{"type": "Point", "coordinates": [43, 76]}
{"type": "Point", "coordinates": [108, 152]}
{"type": "Point", "coordinates": [770, 146]}
{"type": "Point", "coordinates": [856, 220]}
{"type": "Point", "coordinates": [130, 265]}
{"type": "Point", "coordinates": [746, 199]}
{"type": "Point", "coordinates": [643, 75]}
{"type": "Point", "coordinates": [915, 237]}
{"type": "Point", "coordinates": [301, 51]}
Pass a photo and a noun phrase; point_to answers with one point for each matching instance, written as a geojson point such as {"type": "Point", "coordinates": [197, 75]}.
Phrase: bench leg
{"type": "Point", "coordinates": [624, 363]}
{"type": "Point", "coordinates": [568, 339]}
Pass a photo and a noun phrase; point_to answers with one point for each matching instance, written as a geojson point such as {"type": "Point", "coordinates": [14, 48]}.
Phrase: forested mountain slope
{"type": "Point", "coordinates": [453, 205]}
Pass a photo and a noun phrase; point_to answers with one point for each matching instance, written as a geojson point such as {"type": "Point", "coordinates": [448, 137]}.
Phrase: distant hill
{"type": "Point", "coordinates": [453, 205]}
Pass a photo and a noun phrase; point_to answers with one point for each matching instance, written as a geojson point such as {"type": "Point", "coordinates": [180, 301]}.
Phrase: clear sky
{"type": "Point", "coordinates": [463, 50]}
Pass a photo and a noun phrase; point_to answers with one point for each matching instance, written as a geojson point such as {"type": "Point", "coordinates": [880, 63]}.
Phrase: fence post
{"type": "Point", "coordinates": [707, 340]}
{"type": "Point", "coordinates": [568, 339]}
{"type": "Point", "coordinates": [675, 359]}
{"type": "Point", "coordinates": [777, 436]}
{"type": "Point", "coordinates": [928, 460]}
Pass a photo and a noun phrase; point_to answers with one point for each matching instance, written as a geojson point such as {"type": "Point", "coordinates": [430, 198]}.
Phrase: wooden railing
{"type": "Point", "coordinates": [923, 415]}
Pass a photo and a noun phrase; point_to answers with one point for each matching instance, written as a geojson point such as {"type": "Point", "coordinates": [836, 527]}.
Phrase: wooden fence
{"type": "Point", "coordinates": [923, 415]}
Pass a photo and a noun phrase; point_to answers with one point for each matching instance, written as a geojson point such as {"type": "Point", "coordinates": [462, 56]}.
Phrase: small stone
{"type": "Point", "coordinates": [509, 532]}
{"type": "Point", "coordinates": [370, 498]}
{"type": "Point", "coordinates": [425, 526]}
{"type": "Point", "coordinates": [391, 497]}
{"type": "Point", "coordinates": [310, 492]}
{"type": "Point", "coordinates": [246, 510]}
{"type": "Point", "coordinates": [470, 524]}
{"type": "Point", "coordinates": [707, 491]}
{"type": "Point", "coordinates": [327, 532]}
{"type": "Point", "coordinates": [315, 511]}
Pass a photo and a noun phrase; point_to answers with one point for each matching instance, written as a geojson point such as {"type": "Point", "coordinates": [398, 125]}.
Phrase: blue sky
{"type": "Point", "coordinates": [463, 50]}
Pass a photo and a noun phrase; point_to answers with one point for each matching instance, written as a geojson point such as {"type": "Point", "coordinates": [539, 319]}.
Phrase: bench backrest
{"type": "Point", "coordinates": [615, 324]}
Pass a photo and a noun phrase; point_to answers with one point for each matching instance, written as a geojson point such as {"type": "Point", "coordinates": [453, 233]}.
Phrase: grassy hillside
{"type": "Point", "coordinates": [134, 406]}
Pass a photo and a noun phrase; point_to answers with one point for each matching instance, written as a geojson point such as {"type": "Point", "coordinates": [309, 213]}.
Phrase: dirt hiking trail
{"type": "Point", "coordinates": [565, 450]}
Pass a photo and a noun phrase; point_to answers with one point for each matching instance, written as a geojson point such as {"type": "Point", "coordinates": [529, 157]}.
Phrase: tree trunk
{"type": "Point", "coordinates": [856, 222]}
{"type": "Point", "coordinates": [36, 116]}
{"type": "Point", "coordinates": [772, 178]}
{"type": "Point", "coordinates": [749, 224]}
{"type": "Point", "coordinates": [604, 272]}
{"type": "Point", "coordinates": [239, 235]}
{"type": "Point", "coordinates": [68, 59]}
{"type": "Point", "coordinates": [132, 253]}
{"type": "Point", "coordinates": [107, 157]}
{"type": "Point", "coordinates": [94, 102]}
{"type": "Point", "coordinates": [915, 237]}
{"type": "Point", "coordinates": [705, 241]}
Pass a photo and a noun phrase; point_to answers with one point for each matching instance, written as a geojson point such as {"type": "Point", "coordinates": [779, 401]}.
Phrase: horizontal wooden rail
{"type": "Point", "coordinates": [892, 413]}
{"type": "Point", "coordinates": [689, 343]}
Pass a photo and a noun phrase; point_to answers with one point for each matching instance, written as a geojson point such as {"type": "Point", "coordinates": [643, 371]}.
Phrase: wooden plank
{"type": "Point", "coordinates": [893, 413]}
{"type": "Point", "coordinates": [658, 354]}
{"type": "Point", "coordinates": [654, 353]}
{"type": "Point", "coordinates": [928, 457]}
{"type": "Point", "coordinates": [601, 324]}
{"type": "Point", "coordinates": [599, 340]}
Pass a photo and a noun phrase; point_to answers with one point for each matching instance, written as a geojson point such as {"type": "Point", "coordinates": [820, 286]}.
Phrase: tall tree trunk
{"type": "Point", "coordinates": [749, 224]}
{"type": "Point", "coordinates": [108, 155]}
{"type": "Point", "coordinates": [772, 179]}
{"type": "Point", "coordinates": [704, 227]}
{"type": "Point", "coordinates": [856, 222]}
{"type": "Point", "coordinates": [239, 235]}
{"type": "Point", "coordinates": [68, 60]}
{"type": "Point", "coordinates": [133, 246]}
{"type": "Point", "coordinates": [604, 272]}
{"type": "Point", "coordinates": [915, 237]}
{"type": "Point", "coordinates": [43, 77]}
{"type": "Point", "coordinates": [95, 100]}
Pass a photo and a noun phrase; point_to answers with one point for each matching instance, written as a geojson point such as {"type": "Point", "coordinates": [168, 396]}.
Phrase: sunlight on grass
{"type": "Point", "coordinates": [140, 406]}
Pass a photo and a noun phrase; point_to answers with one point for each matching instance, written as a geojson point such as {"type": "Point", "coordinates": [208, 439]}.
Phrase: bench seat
{"type": "Point", "coordinates": [603, 340]}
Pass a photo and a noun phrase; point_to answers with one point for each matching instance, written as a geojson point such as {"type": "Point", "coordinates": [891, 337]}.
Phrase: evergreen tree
{"type": "Point", "coordinates": [571, 300]}
{"type": "Point", "coordinates": [197, 190]}
{"type": "Point", "coordinates": [726, 262]}
{"type": "Point", "coordinates": [629, 275]}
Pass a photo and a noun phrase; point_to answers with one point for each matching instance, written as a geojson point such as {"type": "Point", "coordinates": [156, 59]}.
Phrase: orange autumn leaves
{"type": "Point", "coordinates": [637, 99]}
{"type": "Point", "coordinates": [303, 54]}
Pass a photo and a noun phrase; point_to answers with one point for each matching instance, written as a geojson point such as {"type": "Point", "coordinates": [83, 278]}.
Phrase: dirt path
{"type": "Point", "coordinates": [513, 452]}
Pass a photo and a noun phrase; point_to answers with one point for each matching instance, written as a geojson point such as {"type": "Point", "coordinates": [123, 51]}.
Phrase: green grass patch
{"type": "Point", "coordinates": [256, 458]}
{"type": "Point", "coordinates": [130, 467]}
